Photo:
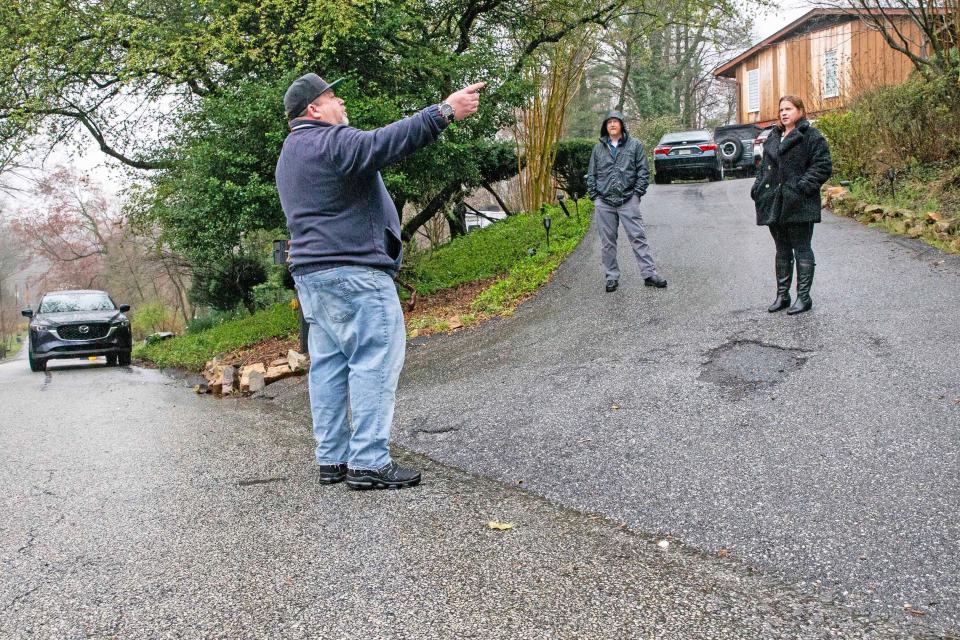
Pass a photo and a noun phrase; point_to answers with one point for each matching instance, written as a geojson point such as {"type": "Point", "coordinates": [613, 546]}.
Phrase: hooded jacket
{"type": "Point", "coordinates": [337, 208]}
{"type": "Point", "coordinates": [616, 179]}
{"type": "Point", "coordinates": [787, 188]}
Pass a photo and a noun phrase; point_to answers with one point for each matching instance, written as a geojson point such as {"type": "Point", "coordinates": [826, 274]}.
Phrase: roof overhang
{"type": "Point", "coordinates": [728, 69]}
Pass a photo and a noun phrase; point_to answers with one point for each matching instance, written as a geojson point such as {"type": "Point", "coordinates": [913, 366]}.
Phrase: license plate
{"type": "Point", "coordinates": [684, 152]}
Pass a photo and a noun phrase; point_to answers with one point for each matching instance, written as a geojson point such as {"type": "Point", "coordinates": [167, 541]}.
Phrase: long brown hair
{"type": "Point", "coordinates": [795, 101]}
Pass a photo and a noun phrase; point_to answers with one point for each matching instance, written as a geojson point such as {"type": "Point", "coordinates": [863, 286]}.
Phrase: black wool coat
{"type": "Point", "coordinates": [787, 188]}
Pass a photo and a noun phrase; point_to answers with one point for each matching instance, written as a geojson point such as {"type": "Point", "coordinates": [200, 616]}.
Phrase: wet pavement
{"type": "Point", "coordinates": [801, 471]}
{"type": "Point", "coordinates": [823, 448]}
{"type": "Point", "coordinates": [133, 508]}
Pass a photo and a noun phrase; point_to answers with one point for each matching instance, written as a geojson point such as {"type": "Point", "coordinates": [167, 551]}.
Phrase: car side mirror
{"type": "Point", "coordinates": [124, 308]}
{"type": "Point", "coordinates": [27, 313]}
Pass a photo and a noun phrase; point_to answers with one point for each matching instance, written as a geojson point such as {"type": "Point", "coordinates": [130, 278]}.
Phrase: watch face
{"type": "Point", "coordinates": [446, 111]}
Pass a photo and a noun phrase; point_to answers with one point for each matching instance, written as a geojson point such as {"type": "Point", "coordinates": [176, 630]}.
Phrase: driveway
{"type": "Point", "coordinates": [823, 449]}
{"type": "Point", "coordinates": [133, 508]}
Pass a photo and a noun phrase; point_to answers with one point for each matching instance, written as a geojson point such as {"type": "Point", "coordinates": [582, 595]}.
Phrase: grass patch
{"type": "Point", "coordinates": [494, 250]}
{"type": "Point", "coordinates": [12, 347]}
{"type": "Point", "coordinates": [192, 350]}
{"type": "Point", "coordinates": [911, 192]}
{"type": "Point", "coordinates": [498, 253]}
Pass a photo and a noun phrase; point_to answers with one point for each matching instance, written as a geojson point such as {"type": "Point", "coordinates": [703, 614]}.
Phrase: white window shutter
{"type": "Point", "coordinates": [753, 90]}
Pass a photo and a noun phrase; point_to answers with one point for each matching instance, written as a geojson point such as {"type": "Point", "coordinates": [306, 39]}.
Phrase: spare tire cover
{"type": "Point", "coordinates": [730, 148]}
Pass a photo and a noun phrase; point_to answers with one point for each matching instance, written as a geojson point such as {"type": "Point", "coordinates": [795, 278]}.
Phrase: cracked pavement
{"type": "Point", "coordinates": [823, 448]}
{"type": "Point", "coordinates": [803, 471]}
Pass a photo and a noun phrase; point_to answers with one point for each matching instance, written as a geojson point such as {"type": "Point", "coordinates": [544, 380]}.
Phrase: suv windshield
{"type": "Point", "coordinates": [63, 302]}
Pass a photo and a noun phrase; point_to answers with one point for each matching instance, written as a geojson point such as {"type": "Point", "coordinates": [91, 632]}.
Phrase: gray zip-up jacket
{"type": "Point", "coordinates": [617, 178]}
{"type": "Point", "coordinates": [337, 208]}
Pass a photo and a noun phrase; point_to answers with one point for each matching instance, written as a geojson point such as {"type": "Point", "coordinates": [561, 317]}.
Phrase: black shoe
{"type": "Point", "coordinates": [655, 281]}
{"type": "Point", "coordinates": [390, 476]}
{"type": "Point", "coordinates": [612, 285]}
{"type": "Point", "coordinates": [333, 473]}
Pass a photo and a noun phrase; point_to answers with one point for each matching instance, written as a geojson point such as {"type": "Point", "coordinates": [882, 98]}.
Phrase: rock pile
{"type": "Point", "coordinates": [226, 379]}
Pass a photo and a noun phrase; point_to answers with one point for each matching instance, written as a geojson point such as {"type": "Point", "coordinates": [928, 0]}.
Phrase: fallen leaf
{"type": "Point", "coordinates": [916, 612]}
{"type": "Point", "coordinates": [500, 526]}
{"type": "Point", "coordinates": [455, 322]}
{"type": "Point", "coordinates": [723, 553]}
{"type": "Point", "coordinates": [663, 544]}
{"type": "Point", "coordinates": [615, 407]}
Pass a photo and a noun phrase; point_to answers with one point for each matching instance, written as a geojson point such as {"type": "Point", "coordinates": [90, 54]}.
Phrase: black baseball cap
{"type": "Point", "coordinates": [303, 91]}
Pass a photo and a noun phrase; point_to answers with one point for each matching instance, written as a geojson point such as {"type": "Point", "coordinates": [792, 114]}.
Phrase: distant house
{"type": "Point", "coordinates": [826, 57]}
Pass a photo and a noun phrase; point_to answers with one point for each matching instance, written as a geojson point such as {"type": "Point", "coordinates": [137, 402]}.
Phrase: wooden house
{"type": "Point", "coordinates": [826, 57]}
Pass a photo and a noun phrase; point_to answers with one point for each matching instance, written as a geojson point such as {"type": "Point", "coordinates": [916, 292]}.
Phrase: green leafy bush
{"type": "Point", "coordinates": [215, 317]}
{"type": "Point", "coordinates": [150, 317]}
{"type": "Point", "coordinates": [900, 127]}
{"type": "Point", "coordinates": [571, 164]}
{"type": "Point", "coordinates": [229, 283]}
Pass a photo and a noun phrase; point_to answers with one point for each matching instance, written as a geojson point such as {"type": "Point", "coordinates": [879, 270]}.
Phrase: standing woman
{"type": "Point", "coordinates": [796, 163]}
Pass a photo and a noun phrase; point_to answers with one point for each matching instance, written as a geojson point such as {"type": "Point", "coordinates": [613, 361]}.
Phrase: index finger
{"type": "Point", "coordinates": [475, 88]}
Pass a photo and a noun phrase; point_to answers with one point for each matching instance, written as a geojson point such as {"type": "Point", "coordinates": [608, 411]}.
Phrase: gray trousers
{"type": "Point", "coordinates": [609, 220]}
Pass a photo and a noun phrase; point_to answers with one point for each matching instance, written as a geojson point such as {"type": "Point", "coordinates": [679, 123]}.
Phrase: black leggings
{"type": "Point", "coordinates": [793, 239]}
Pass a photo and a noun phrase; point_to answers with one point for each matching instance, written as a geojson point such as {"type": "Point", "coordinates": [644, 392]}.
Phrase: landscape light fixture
{"type": "Point", "coordinates": [546, 226]}
{"type": "Point", "coordinates": [892, 177]}
{"type": "Point", "coordinates": [563, 205]}
{"type": "Point", "coordinates": [280, 251]}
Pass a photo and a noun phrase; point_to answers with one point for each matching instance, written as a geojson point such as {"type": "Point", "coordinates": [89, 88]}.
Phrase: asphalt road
{"type": "Point", "coordinates": [132, 508]}
{"type": "Point", "coordinates": [822, 448]}
{"type": "Point", "coordinates": [804, 470]}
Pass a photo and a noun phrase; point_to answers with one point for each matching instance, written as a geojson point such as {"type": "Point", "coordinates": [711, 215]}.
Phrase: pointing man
{"type": "Point", "coordinates": [345, 250]}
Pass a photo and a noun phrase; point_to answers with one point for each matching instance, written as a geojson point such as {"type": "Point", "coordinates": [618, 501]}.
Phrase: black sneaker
{"type": "Point", "coordinates": [333, 473]}
{"type": "Point", "coordinates": [612, 285]}
{"type": "Point", "coordinates": [655, 281]}
{"type": "Point", "coordinates": [390, 476]}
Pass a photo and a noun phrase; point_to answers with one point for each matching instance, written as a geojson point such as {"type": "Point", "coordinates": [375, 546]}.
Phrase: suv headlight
{"type": "Point", "coordinates": [122, 323]}
{"type": "Point", "coordinates": [44, 327]}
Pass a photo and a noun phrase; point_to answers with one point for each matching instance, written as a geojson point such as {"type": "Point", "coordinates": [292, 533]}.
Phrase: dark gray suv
{"type": "Point", "coordinates": [78, 324]}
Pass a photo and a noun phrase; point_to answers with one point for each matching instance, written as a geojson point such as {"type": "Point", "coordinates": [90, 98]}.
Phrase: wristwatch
{"type": "Point", "coordinates": [447, 112]}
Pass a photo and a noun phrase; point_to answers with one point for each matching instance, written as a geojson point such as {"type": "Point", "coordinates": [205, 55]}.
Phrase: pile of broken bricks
{"type": "Point", "coordinates": [227, 379]}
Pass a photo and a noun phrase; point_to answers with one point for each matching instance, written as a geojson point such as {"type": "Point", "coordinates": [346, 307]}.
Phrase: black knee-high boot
{"type": "Point", "coordinates": [784, 270]}
{"type": "Point", "coordinates": [804, 282]}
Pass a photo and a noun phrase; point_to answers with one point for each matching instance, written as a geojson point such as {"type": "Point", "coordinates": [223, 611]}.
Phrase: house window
{"type": "Point", "coordinates": [831, 86]}
{"type": "Point", "coordinates": [753, 90]}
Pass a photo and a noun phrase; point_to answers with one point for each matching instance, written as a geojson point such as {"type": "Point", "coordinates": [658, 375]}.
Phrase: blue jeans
{"type": "Point", "coordinates": [357, 343]}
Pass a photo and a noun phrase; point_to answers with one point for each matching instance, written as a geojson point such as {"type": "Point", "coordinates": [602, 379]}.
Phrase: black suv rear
{"type": "Point", "coordinates": [735, 145]}
{"type": "Point", "coordinates": [78, 324]}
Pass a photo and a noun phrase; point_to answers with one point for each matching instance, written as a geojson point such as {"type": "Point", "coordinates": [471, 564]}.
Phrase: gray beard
{"type": "Point", "coordinates": [345, 120]}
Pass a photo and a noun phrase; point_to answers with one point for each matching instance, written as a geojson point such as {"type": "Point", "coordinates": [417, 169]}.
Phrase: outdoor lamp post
{"type": "Point", "coordinates": [280, 256]}
{"type": "Point", "coordinates": [563, 205]}
{"type": "Point", "coordinates": [546, 226]}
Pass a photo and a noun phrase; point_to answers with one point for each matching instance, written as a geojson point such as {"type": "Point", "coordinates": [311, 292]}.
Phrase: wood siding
{"type": "Point", "coordinates": [795, 66]}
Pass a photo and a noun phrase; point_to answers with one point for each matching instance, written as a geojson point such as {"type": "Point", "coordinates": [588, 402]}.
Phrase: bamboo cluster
{"type": "Point", "coordinates": [554, 78]}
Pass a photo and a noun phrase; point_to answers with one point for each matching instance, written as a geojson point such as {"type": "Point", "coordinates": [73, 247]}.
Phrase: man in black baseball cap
{"type": "Point", "coordinates": [303, 91]}
{"type": "Point", "coordinates": [345, 249]}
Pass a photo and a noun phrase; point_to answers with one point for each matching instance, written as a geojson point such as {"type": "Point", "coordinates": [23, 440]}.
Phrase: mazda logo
{"type": "Point", "coordinates": [84, 329]}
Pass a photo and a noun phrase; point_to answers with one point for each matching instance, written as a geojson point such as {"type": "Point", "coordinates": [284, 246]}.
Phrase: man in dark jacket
{"type": "Point", "coordinates": [345, 249]}
{"type": "Point", "coordinates": [616, 181]}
